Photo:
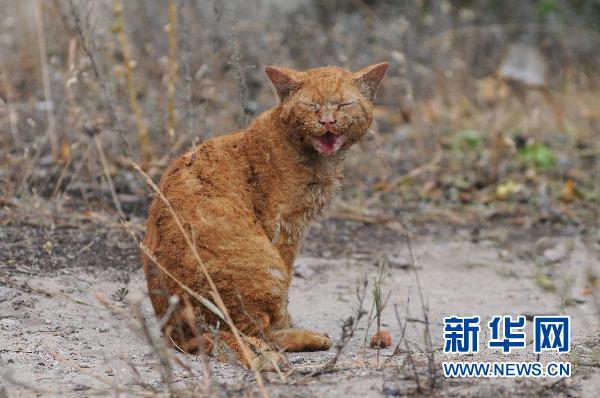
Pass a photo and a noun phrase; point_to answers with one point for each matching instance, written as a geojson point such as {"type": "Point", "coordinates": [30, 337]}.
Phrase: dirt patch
{"type": "Point", "coordinates": [57, 338]}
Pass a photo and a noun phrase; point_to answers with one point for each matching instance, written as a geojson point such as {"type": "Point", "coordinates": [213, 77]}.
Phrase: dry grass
{"type": "Point", "coordinates": [88, 87]}
{"type": "Point", "coordinates": [223, 312]}
{"type": "Point", "coordinates": [132, 92]}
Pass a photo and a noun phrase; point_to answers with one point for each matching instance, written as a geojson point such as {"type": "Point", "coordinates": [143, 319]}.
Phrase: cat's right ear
{"type": "Point", "coordinates": [285, 80]}
{"type": "Point", "coordinates": [369, 78]}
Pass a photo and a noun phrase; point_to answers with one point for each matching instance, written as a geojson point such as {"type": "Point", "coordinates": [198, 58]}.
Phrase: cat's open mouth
{"type": "Point", "coordinates": [328, 143]}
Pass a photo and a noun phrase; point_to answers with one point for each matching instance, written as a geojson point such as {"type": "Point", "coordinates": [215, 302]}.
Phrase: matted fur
{"type": "Point", "coordinates": [247, 199]}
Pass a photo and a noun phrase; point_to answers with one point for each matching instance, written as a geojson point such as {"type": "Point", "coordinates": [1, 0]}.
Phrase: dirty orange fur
{"type": "Point", "coordinates": [246, 200]}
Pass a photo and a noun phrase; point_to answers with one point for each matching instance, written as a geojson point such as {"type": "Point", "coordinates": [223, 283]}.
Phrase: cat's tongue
{"type": "Point", "coordinates": [328, 143]}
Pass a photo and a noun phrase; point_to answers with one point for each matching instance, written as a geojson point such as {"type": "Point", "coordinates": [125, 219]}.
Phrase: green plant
{"type": "Point", "coordinates": [470, 140]}
{"type": "Point", "coordinates": [120, 295]}
{"type": "Point", "coordinates": [538, 156]}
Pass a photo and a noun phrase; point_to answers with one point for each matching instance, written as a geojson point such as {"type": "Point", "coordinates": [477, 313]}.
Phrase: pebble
{"type": "Point", "coordinates": [7, 293]}
{"type": "Point", "coordinates": [7, 323]}
{"type": "Point", "coordinates": [303, 270]}
{"type": "Point", "coordinates": [556, 253]}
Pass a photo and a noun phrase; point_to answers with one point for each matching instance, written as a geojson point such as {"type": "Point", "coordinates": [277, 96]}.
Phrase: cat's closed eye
{"type": "Point", "coordinates": [346, 104]}
{"type": "Point", "coordinates": [315, 107]}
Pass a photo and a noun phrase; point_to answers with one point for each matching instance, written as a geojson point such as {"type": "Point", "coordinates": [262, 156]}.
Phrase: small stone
{"type": "Point", "coordinates": [556, 253]}
{"type": "Point", "coordinates": [385, 340]}
{"type": "Point", "coordinates": [7, 293]}
{"type": "Point", "coordinates": [103, 329]}
{"type": "Point", "coordinates": [303, 270]}
{"type": "Point", "coordinates": [7, 323]}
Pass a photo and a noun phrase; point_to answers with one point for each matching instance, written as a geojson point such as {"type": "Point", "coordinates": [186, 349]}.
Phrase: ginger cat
{"type": "Point", "coordinates": [246, 200]}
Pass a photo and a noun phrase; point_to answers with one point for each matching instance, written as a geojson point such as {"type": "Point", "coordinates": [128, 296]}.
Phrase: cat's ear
{"type": "Point", "coordinates": [369, 78]}
{"type": "Point", "coordinates": [285, 80]}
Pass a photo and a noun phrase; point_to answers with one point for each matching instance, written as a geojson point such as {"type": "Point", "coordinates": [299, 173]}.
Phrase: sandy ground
{"type": "Point", "coordinates": [56, 339]}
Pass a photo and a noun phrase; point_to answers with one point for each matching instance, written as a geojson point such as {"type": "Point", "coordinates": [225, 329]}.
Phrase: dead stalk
{"type": "Point", "coordinates": [129, 64]}
{"type": "Point", "coordinates": [159, 347]}
{"type": "Point", "coordinates": [109, 181]}
{"type": "Point", "coordinates": [12, 112]}
{"type": "Point", "coordinates": [236, 61]}
{"type": "Point", "coordinates": [214, 291]}
{"type": "Point", "coordinates": [41, 36]}
{"type": "Point", "coordinates": [402, 334]}
{"type": "Point", "coordinates": [138, 324]}
{"type": "Point", "coordinates": [429, 351]}
{"type": "Point", "coordinates": [27, 288]}
{"type": "Point", "coordinates": [369, 322]}
{"type": "Point", "coordinates": [61, 177]}
{"type": "Point", "coordinates": [171, 30]}
{"type": "Point", "coordinates": [190, 113]}
{"type": "Point", "coordinates": [379, 303]}
{"type": "Point", "coordinates": [385, 169]}
{"type": "Point", "coordinates": [189, 291]}
{"type": "Point", "coordinates": [85, 46]}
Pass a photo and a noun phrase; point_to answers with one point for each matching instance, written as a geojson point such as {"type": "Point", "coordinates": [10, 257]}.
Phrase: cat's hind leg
{"type": "Point", "coordinates": [183, 333]}
{"type": "Point", "coordinates": [263, 357]}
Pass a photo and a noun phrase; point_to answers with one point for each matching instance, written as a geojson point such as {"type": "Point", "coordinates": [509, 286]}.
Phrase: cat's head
{"type": "Point", "coordinates": [326, 110]}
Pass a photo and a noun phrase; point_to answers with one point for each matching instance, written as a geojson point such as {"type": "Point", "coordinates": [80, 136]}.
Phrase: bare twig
{"type": "Point", "coordinates": [171, 30]}
{"type": "Point", "coordinates": [236, 61]}
{"type": "Point", "coordinates": [379, 302]}
{"type": "Point", "coordinates": [109, 181]}
{"type": "Point", "coordinates": [403, 327]}
{"type": "Point", "coordinates": [429, 350]}
{"type": "Point", "coordinates": [41, 35]}
{"type": "Point", "coordinates": [112, 114]}
{"type": "Point", "coordinates": [128, 64]}
{"type": "Point", "coordinates": [12, 113]}
{"type": "Point", "coordinates": [213, 288]}
{"type": "Point", "coordinates": [27, 288]}
{"type": "Point", "coordinates": [431, 164]}
{"type": "Point", "coordinates": [189, 116]}
{"type": "Point", "coordinates": [385, 168]}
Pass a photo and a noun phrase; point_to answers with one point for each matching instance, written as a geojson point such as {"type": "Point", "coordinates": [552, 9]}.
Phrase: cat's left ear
{"type": "Point", "coordinates": [285, 80]}
{"type": "Point", "coordinates": [369, 78]}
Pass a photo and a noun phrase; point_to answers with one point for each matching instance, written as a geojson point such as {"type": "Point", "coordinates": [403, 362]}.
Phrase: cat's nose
{"type": "Point", "coordinates": [327, 120]}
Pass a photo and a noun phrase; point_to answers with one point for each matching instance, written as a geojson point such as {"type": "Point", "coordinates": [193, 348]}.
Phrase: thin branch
{"type": "Point", "coordinates": [213, 288]}
{"type": "Point", "coordinates": [128, 64]}
{"type": "Point", "coordinates": [171, 30]}
{"type": "Point", "coordinates": [41, 35]}
{"type": "Point", "coordinates": [114, 118]}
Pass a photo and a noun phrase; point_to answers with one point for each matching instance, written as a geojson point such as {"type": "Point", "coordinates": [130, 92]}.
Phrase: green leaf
{"type": "Point", "coordinates": [467, 140]}
{"type": "Point", "coordinates": [546, 7]}
{"type": "Point", "coordinates": [539, 156]}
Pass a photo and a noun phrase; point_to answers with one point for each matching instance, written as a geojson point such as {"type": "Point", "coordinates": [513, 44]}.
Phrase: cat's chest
{"type": "Point", "coordinates": [303, 203]}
